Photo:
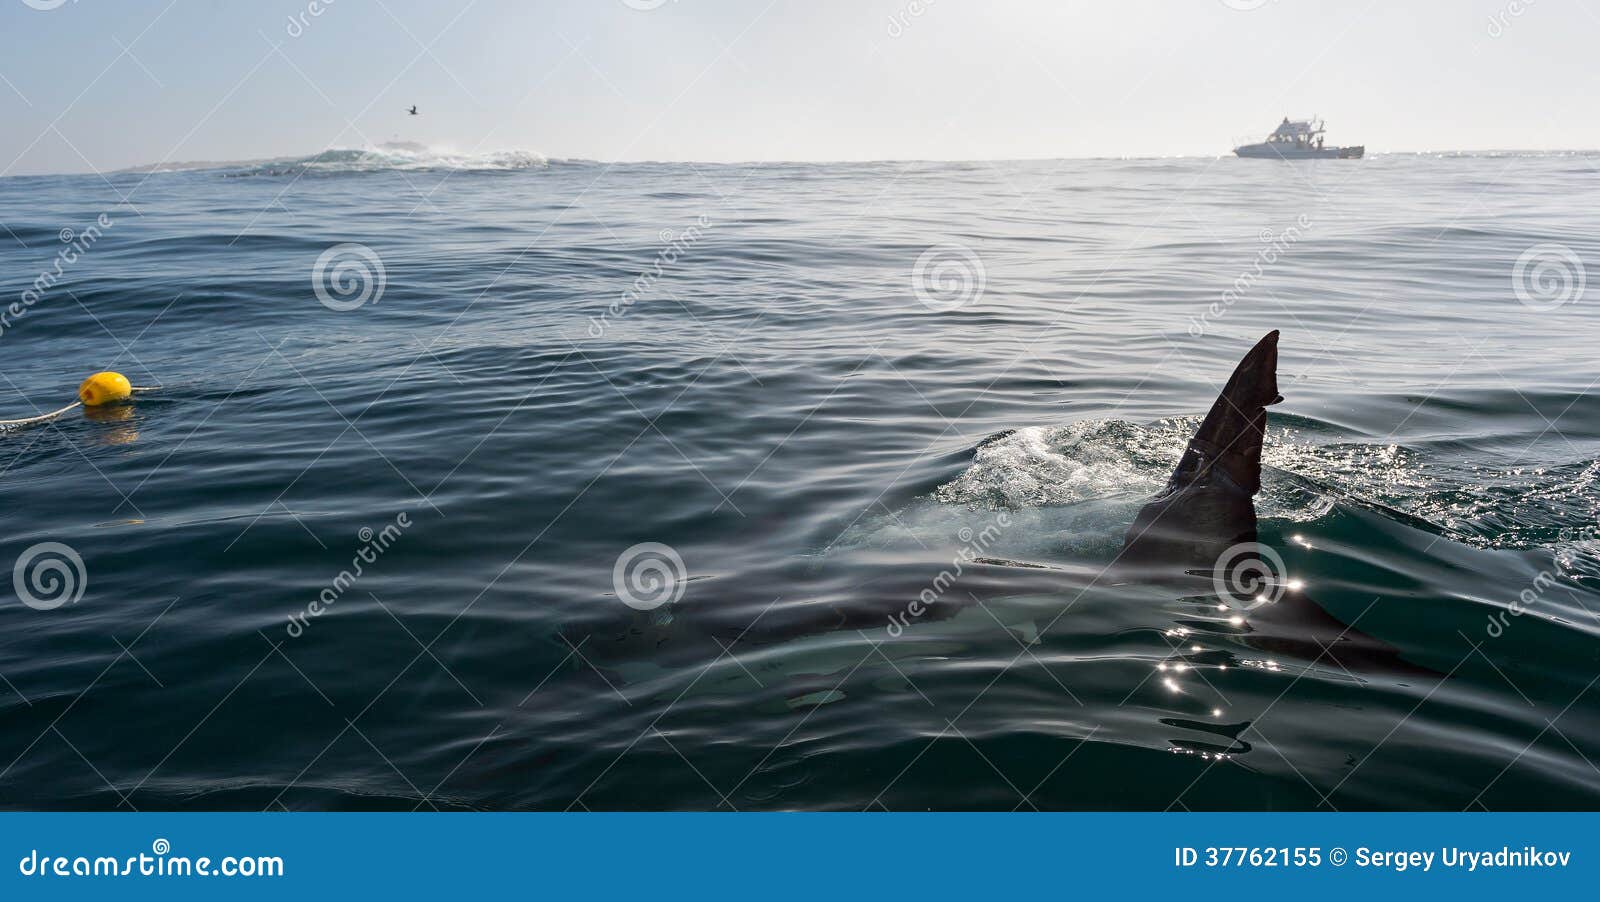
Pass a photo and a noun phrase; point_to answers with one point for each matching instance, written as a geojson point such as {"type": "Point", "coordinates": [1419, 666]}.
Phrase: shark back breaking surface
{"type": "Point", "coordinates": [1203, 524]}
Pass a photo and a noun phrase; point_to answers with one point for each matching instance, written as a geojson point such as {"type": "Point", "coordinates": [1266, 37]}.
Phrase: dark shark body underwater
{"type": "Point", "coordinates": [1197, 539]}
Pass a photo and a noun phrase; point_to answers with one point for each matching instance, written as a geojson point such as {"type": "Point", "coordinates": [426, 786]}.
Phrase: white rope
{"type": "Point", "coordinates": [41, 417]}
{"type": "Point", "coordinates": [46, 417]}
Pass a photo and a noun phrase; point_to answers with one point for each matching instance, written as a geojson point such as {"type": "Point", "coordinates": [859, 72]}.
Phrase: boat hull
{"type": "Point", "coordinates": [1270, 151]}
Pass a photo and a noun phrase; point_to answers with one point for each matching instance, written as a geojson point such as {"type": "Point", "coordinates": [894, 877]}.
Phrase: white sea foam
{"type": "Point", "coordinates": [1484, 505]}
{"type": "Point", "coordinates": [402, 156]}
{"type": "Point", "coordinates": [409, 156]}
{"type": "Point", "coordinates": [1039, 465]}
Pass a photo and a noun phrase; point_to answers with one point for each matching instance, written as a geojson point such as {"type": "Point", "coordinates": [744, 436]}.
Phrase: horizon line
{"type": "Point", "coordinates": [202, 165]}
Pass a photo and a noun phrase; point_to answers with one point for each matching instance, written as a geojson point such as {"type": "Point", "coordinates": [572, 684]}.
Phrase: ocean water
{"type": "Point", "coordinates": [492, 482]}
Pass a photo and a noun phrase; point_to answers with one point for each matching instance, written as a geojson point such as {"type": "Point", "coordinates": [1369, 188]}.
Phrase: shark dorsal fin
{"type": "Point", "coordinates": [1228, 442]}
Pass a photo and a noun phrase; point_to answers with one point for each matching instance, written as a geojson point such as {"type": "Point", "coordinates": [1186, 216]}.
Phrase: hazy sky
{"type": "Point", "coordinates": [107, 85]}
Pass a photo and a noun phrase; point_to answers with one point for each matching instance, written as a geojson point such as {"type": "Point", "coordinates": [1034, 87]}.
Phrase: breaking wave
{"type": "Point", "coordinates": [402, 157]}
{"type": "Point", "coordinates": [398, 156]}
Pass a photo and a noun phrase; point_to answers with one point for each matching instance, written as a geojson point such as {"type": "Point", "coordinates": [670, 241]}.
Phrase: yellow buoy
{"type": "Point", "coordinates": [104, 388]}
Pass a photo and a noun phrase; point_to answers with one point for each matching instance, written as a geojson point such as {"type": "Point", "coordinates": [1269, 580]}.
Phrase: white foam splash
{"type": "Point", "coordinates": [408, 156]}
{"type": "Point", "coordinates": [1038, 466]}
{"type": "Point", "coordinates": [1484, 505]}
{"type": "Point", "coordinates": [403, 156]}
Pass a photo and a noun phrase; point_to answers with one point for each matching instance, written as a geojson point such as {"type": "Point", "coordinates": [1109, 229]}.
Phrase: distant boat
{"type": "Point", "coordinates": [1299, 139]}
